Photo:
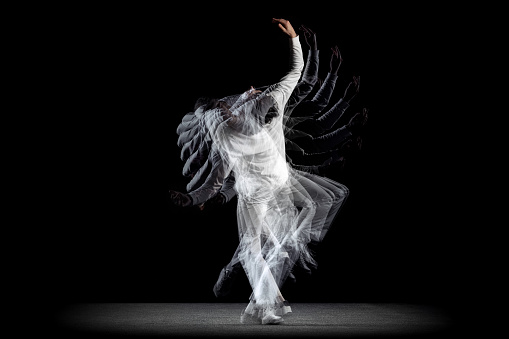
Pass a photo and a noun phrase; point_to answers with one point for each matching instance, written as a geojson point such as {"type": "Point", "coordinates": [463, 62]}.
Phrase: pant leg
{"type": "Point", "coordinates": [266, 295]}
{"type": "Point", "coordinates": [339, 194]}
{"type": "Point", "coordinates": [322, 196]}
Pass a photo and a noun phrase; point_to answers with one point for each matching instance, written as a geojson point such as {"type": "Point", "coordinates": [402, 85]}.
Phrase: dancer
{"type": "Point", "coordinates": [251, 144]}
{"type": "Point", "coordinates": [327, 194]}
{"type": "Point", "coordinates": [273, 232]}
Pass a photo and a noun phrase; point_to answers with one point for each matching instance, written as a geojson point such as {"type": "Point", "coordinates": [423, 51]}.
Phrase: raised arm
{"type": "Point", "coordinates": [309, 75]}
{"type": "Point", "coordinates": [322, 97]}
{"type": "Point", "coordinates": [283, 89]}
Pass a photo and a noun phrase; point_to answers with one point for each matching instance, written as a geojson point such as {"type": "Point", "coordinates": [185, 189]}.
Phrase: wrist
{"type": "Point", "coordinates": [189, 201]}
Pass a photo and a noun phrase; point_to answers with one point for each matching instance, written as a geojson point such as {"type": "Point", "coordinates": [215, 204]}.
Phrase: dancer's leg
{"type": "Point", "coordinates": [267, 302]}
{"type": "Point", "coordinates": [339, 193]}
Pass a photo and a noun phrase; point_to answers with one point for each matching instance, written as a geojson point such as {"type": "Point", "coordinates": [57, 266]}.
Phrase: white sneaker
{"type": "Point", "coordinates": [271, 319]}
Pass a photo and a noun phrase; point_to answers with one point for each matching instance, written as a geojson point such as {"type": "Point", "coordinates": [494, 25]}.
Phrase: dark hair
{"type": "Point", "coordinates": [265, 109]}
{"type": "Point", "coordinates": [271, 114]}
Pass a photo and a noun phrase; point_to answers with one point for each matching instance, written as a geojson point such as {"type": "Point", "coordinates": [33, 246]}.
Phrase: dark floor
{"type": "Point", "coordinates": [223, 320]}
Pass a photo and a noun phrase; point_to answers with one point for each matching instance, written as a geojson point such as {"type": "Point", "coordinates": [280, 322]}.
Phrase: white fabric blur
{"type": "Point", "coordinates": [276, 215]}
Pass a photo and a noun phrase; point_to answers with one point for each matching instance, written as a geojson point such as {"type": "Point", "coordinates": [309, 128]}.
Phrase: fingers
{"type": "Point", "coordinates": [281, 21]}
{"type": "Point", "coordinates": [252, 90]}
{"type": "Point", "coordinates": [337, 53]}
{"type": "Point", "coordinates": [286, 27]}
{"type": "Point", "coordinates": [306, 33]}
{"type": "Point", "coordinates": [179, 199]}
{"type": "Point", "coordinates": [306, 30]}
{"type": "Point", "coordinates": [175, 197]}
{"type": "Point", "coordinates": [173, 194]}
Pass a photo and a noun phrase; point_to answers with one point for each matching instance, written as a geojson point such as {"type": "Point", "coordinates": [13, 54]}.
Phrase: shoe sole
{"type": "Point", "coordinates": [273, 322]}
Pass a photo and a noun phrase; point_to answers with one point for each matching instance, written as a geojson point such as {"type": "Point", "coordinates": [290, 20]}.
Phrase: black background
{"type": "Point", "coordinates": [124, 77]}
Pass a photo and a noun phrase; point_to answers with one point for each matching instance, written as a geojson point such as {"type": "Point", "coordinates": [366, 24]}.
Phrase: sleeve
{"type": "Point", "coordinates": [284, 88]}
{"type": "Point", "coordinates": [240, 101]}
{"type": "Point", "coordinates": [329, 119]}
{"type": "Point", "coordinates": [291, 133]}
{"type": "Point", "coordinates": [187, 122]}
{"type": "Point", "coordinates": [227, 189]}
{"type": "Point", "coordinates": [322, 97]}
{"type": "Point", "coordinates": [306, 84]}
{"type": "Point", "coordinates": [310, 73]}
{"type": "Point", "coordinates": [213, 182]}
{"type": "Point", "coordinates": [338, 136]}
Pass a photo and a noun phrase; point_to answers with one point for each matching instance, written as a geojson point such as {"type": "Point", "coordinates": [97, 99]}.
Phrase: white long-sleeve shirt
{"type": "Point", "coordinates": [258, 159]}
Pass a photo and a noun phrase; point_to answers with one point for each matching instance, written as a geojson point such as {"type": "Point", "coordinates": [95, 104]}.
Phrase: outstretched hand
{"type": "Point", "coordinates": [352, 89]}
{"type": "Point", "coordinates": [358, 121]}
{"type": "Point", "coordinates": [252, 92]}
{"type": "Point", "coordinates": [285, 26]}
{"type": "Point", "coordinates": [308, 33]}
{"type": "Point", "coordinates": [180, 199]}
{"type": "Point", "coordinates": [336, 54]}
{"type": "Point", "coordinates": [218, 200]}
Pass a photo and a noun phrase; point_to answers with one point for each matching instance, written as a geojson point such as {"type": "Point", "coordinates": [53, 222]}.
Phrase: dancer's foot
{"type": "Point", "coordinates": [224, 282]}
{"type": "Point", "coordinates": [271, 319]}
{"type": "Point", "coordinates": [246, 318]}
